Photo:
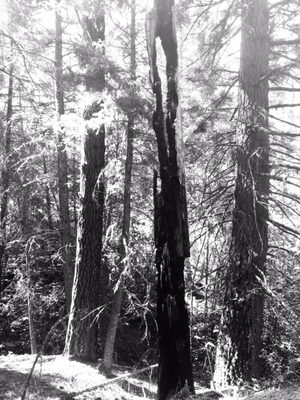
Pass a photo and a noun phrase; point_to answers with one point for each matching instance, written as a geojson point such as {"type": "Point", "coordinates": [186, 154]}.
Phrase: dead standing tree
{"type": "Point", "coordinates": [171, 224]}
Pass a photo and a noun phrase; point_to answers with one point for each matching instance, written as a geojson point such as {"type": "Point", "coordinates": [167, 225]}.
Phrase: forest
{"type": "Point", "coordinates": [149, 199]}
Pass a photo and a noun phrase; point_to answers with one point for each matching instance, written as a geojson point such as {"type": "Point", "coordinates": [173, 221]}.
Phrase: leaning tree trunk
{"type": "Point", "coordinates": [171, 224]}
{"type": "Point", "coordinates": [240, 342]}
{"type": "Point", "coordinates": [5, 173]}
{"type": "Point", "coordinates": [62, 169]}
{"type": "Point", "coordinates": [123, 253]}
{"type": "Point", "coordinates": [82, 331]}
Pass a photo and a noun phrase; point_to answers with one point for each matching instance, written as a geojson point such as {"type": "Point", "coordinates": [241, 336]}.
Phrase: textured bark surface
{"type": "Point", "coordinates": [171, 225]}
{"type": "Point", "coordinates": [48, 198]}
{"type": "Point", "coordinates": [5, 174]}
{"type": "Point", "coordinates": [62, 167]}
{"type": "Point", "coordinates": [240, 343]}
{"type": "Point", "coordinates": [29, 272]}
{"type": "Point", "coordinates": [82, 332]}
{"type": "Point", "coordinates": [123, 256]}
{"type": "Point", "coordinates": [82, 329]}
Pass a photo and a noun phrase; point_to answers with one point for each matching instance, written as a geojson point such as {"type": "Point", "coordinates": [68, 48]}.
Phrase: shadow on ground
{"type": "Point", "coordinates": [12, 384]}
{"type": "Point", "coordinates": [138, 388]}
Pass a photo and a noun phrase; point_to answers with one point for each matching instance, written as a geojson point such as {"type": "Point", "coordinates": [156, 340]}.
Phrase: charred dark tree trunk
{"type": "Point", "coordinates": [171, 224]}
{"type": "Point", "coordinates": [82, 332]}
{"type": "Point", "coordinates": [240, 341]}
{"type": "Point", "coordinates": [123, 253]}
{"type": "Point", "coordinates": [63, 191]}
{"type": "Point", "coordinates": [5, 174]}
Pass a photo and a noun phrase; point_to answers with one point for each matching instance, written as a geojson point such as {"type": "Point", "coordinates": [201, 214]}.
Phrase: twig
{"type": "Point", "coordinates": [40, 354]}
{"type": "Point", "coordinates": [29, 376]}
{"type": "Point", "coordinates": [284, 228]}
{"type": "Point", "coordinates": [284, 121]}
{"type": "Point", "coordinates": [286, 105]}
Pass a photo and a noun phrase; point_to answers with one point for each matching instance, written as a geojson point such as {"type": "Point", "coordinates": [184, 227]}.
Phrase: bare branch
{"type": "Point", "coordinates": [283, 134]}
{"type": "Point", "coordinates": [284, 89]}
{"type": "Point", "coordinates": [287, 105]}
{"type": "Point", "coordinates": [291, 197]}
{"type": "Point", "coordinates": [292, 76]}
{"type": "Point", "coordinates": [290, 252]}
{"type": "Point", "coordinates": [294, 167]}
{"type": "Point", "coordinates": [279, 3]}
{"type": "Point", "coordinates": [281, 179]}
{"type": "Point", "coordinates": [284, 42]}
{"type": "Point", "coordinates": [285, 228]}
{"type": "Point", "coordinates": [284, 121]}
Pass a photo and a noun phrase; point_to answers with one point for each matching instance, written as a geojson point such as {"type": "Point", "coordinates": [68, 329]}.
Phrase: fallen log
{"type": "Point", "coordinates": [113, 380]}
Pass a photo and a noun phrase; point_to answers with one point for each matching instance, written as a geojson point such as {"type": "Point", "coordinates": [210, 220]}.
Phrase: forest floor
{"type": "Point", "coordinates": [57, 378]}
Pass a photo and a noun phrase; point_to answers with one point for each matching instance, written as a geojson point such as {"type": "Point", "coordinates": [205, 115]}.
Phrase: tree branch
{"type": "Point", "coordinates": [281, 179]}
{"type": "Point", "coordinates": [283, 134]}
{"type": "Point", "coordinates": [294, 167]}
{"type": "Point", "coordinates": [279, 3]}
{"type": "Point", "coordinates": [284, 121]}
{"type": "Point", "coordinates": [284, 42]}
{"type": "Point", "coordinates": [284, 89]}
{"type": "Point", "coordinates": [286, 105]}
{"type": "Point", "coordinates": [284, 228]}
{"type": "Point", "coordinates": [290, 252]}
{"type": "Point", "coordinates": [292, 197]}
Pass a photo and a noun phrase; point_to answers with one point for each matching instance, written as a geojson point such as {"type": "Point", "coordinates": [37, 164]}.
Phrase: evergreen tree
{"type": "Point", "coordinates": [125, 236]}
{"type": "Point", "coordinates": [62, 165]}
{"type": "Point", "coordinates": [240, 340]}
{"type": "Point", "coordinates": [82, 332]}
{"type": "Point", "coordinates": [5, 172]}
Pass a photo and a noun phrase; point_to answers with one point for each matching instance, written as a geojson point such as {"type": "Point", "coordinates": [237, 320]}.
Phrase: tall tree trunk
{"type": "Point", "coordinates": [171, 224]}
{"type": "Point", "coordinates": [48, 198]}
{"type": "Point", "coordinates": [5, 173]}
{"type": "Point", "coordinates": [29, 280]}
{"type": "Point", "coordinates": [123, 254]}
{"type": "Point", "coordinates": [82, 332]}
{"type": "Point", "coordinates": [62, 167]}
{"type": "Point", "coordinates": [30, 301]}
{"type": "Point", "coordinates": [240, 341]}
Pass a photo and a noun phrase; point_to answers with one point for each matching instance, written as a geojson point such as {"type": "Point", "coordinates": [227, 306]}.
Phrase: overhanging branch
{"type": "Point", "coordinates": [284, 42]}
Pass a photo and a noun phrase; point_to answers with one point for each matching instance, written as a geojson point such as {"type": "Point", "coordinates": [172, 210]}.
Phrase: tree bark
{"type": "Point", "coordinates": [240, 341]}
{"type": "Point", "coordinates": [30, 298]}
{"type": "Point", "coordinates": [62, 166]}
{"type": "Point", "coordinates": [5, 173]}
{"type": "Point", "coordinates": [30, 310]}
{"type": "Point", "coordinates": [123, 254]}
{"type": "Point", "coordinates": [48, 198]}
{"type": "Point", "coordinates": [171, 224]}
{"type": "Point", "coordinates": [82, 332]}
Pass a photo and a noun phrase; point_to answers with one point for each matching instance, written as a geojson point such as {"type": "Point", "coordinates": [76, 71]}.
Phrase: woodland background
{"type": "Point", "coordinates": [40, 141]}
